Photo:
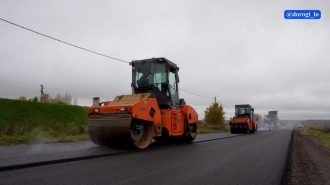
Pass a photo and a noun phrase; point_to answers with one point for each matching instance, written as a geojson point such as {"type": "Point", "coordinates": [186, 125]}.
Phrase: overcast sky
{"type": "Point", "coordinates": [242, 52]}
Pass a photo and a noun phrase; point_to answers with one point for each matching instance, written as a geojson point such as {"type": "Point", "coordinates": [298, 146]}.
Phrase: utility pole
{"type": "Point", "coordinates": [215, 99]}
{"type": "Point", "coordinates": [42, 93]}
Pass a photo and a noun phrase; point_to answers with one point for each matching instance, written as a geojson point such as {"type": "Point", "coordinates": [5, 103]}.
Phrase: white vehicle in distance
{"type": "Point", "coordinates": [300, 125]}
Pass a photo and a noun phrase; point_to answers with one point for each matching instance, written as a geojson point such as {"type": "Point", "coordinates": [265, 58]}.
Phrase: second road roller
{"type": "Point", "coordinates": [244, 120]}
{"type": "Point", "coordinates": [152, 111]}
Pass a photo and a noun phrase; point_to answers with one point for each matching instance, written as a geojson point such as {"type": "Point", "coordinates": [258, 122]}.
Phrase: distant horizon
{"type": "Point", "coordinates": [203, 115]}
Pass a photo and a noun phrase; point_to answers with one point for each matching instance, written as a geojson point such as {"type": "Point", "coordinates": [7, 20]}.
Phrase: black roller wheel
{"type": "Point", "coordinates": [190, 132]}
{"type": "Point", "coordinates": [247, 131]}
{"type": "Point", "coordinates": [253, 129]}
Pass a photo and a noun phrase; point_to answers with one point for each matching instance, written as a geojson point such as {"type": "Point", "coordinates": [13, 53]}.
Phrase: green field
{"type": "Point", "coordinates": [209, 129]}
{"type": "Point", "coordinates": [27, 121]}
{"type": "Point", "coordinates": [323, 136]}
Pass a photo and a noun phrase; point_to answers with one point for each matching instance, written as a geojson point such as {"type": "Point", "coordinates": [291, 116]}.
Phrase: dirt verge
{"type": "Point", "coordinates": [308, 163]}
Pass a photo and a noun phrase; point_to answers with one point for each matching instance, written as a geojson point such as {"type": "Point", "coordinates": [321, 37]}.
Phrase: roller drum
{"type": "Point", "coordinates": [125, 133]}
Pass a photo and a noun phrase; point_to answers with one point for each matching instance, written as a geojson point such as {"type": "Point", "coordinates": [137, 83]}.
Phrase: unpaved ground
{"type": "Point", "coordinates": [308, 163]}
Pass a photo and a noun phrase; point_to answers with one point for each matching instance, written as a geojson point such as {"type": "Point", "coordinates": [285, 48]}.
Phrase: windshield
{"type": "Point", "coordinates": [147, 74]}
{"type": "Point", "coordinates": [239, 111]}
{"type": "Point", "coordinates": [142, 75]}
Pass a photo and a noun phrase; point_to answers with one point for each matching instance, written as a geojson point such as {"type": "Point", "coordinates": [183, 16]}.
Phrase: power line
{"type": "Point", "coordinates": [87, 50]}
{"type": "Point", "coordinates": [62, 41]}
{"type": "Point", "coordinates": [195, 94]}
{"type": "Point", "coordinates": [206, 97]}
{"type": "Point", "coordinates": [226, 106]}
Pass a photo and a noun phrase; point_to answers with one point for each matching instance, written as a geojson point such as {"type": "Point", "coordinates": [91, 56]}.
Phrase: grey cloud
{"type": "Point", "coordinates": [239, 51]}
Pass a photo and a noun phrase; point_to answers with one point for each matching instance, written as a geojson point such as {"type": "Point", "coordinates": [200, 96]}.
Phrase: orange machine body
{"type": "Point", "coordinates": [153, 111]}
{"type": "Point", "coordinates": [147, 109]}
{"type": "Point", "coordinates": [244, 121]}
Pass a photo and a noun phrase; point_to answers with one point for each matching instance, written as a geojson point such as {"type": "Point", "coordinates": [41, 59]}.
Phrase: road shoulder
{"type": "Point", "coordinates": [308, 163]}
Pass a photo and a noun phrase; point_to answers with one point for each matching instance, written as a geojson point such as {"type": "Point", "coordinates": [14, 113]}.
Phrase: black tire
{"type": "Point", "coordinates": [164, 139]}
{"type": "Point", "coordinates": [190, 132]}
{"type": "Point", "coordinates": [159, 139]}
{"type": "Point", "coordinates": [253, 129]}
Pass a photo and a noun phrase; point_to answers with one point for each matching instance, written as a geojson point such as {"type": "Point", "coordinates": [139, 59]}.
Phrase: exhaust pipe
{"type": "Point", "coordinates": [96, 101]}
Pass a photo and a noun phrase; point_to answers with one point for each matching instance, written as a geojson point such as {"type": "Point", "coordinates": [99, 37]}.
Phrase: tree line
{"type": "Point", "coordinates": [47, 98]}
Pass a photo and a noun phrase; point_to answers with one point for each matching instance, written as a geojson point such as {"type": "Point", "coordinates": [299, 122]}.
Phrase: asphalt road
{"type": "Point", "coordinates": [249, 159]}
{"type": "Point", "coordinates": [16, 155]}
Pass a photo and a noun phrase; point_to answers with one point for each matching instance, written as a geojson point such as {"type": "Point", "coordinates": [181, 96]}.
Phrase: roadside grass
{"type": "Point", "coordinates": [43, 134]}
{"type": "Point", "coordinates": [204, 129]}
{"type": "Point", "coordinates": [24, 122]}
{"type": "Point", "coordinates": [323, 136]}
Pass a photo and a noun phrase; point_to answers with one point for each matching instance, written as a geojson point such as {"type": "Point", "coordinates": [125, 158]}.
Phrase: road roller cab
{"type": "Point", "coordinates": [244, 120]}
{"type": "Point", "coordinates": [152, 111]}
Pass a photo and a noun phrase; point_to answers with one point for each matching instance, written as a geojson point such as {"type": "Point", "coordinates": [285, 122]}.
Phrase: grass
{"type": "Point", "coordinates": [28, 122]}
{"type": "Point", "coordinates": [39, 138]}
{"type": "Point", "coordinates": [209, 129]}
{"type": "Point", "coordinates": [323, 136]}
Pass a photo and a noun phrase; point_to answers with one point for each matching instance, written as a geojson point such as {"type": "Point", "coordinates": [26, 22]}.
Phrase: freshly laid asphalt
{"type": "Point", "coordinates": [257, 158]}
{"type": "Point", "coordinates": [15, 155]}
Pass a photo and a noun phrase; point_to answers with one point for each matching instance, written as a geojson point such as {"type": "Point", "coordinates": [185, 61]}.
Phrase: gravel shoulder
{"type": "Point", "coordinates": [308, 163]}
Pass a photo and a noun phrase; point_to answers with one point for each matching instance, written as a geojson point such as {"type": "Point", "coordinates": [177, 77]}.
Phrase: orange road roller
{"type": "Point", "coordinates": [152, 111]}
{"type": "Point", "coordinates": [244, 120]}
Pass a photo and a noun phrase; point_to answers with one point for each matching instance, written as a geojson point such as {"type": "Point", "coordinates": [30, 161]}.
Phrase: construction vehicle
{"type": "Point", "coordinates": [243, 121]}
{"type": "Point", "coordinates": [271, 119]}
{"type": "Point", "coordinates": [152, 111]}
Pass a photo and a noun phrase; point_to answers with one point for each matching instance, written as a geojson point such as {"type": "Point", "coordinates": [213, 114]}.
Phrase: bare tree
{"type": "Point", "coordinates": [67, 98]}
{"type": "Point", "coordinates": [45, 98]}
{"type": "Point", "coordinates": [58, 97]}
{"type": "Point", "coordinates": [75, 102]}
